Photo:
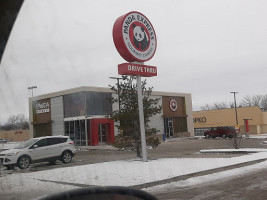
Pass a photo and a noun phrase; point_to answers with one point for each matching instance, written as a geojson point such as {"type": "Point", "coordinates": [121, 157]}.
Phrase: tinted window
{"type": "Point", "coordinates": [41, 143]}
{"type": "Point", "coordinates": [53, 141]}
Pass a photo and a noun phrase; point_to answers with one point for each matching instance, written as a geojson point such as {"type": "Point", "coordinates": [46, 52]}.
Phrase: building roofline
{"type": "Point", "coordinates": [97, 89]}
{"type": "Point", "coordinates": [226, 109]}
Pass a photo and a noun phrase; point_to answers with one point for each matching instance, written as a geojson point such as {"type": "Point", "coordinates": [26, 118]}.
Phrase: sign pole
{"type": "Point", "coordinates": [141, 117]}
{"type": "Point", "coordinates": [135, 40]}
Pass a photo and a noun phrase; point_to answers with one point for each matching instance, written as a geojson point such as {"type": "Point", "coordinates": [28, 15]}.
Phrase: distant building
{"type": "Point", "coordinates": [84, 114]}
{"type": "Point", "coordinates": [227, 117]}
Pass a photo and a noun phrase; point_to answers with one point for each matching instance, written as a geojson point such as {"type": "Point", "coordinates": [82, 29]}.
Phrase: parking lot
{"type": "Point", "coordinates": [172, 148]}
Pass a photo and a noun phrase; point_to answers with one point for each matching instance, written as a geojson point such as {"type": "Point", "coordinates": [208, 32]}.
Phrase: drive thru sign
{"type": "Point", "coordinates": [135, 69]}
{"type": "Point", "coordinates": [135, 40]}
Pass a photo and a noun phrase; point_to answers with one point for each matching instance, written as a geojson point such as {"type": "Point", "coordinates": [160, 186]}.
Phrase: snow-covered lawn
{"type": "Point", "coordinates": [120, 173]}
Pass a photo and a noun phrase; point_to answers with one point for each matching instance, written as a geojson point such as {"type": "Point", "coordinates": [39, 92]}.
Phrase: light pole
{"type": "Point", "coordinates": [119, 90]}
{"type": "Point", "coordinates": [235, 107]}
{"type": "Point", "coordinates": [32, 88]}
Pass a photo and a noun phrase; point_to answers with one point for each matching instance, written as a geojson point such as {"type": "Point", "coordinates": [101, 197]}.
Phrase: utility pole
{"type": "Point", "coordinates": [235, 107]}
{"type": "Point", "coordinates": [119, 90]}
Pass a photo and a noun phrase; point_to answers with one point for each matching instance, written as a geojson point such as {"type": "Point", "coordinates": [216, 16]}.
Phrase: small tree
{"type": "Point", "coordinates": [128, 115]}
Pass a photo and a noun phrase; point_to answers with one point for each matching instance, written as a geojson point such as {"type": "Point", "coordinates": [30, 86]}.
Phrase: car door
{"type": "Point", "coordinates": [54, 146]}
{"type": "Point", "coordinates": [39, 149]}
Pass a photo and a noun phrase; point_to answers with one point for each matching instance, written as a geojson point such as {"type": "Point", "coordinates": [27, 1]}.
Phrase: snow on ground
{"type": "Point", "coordinates": [229, 174]}
{"type": "Point", "coordinates": [8, 145]}
{"type": "Point", "coordinates": [120, 173]}
{"type": "Point", "coordinates": [241, 150]}
{"type": "Point", "coordinates": [258, 136]}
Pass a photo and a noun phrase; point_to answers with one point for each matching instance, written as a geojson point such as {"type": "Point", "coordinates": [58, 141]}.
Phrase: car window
{"type": "Point", "coordinates": [62, 140]}
{"type": "Point", "coordinates": [53, 141]}
{"type": "Point", "coordinates": [42, 143]}
{"type": "Point", "coordinates": [26, 143]}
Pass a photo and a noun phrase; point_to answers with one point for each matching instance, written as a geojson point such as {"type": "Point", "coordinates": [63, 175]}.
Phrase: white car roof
{"type": "Point", "coordinates": [55, 136]}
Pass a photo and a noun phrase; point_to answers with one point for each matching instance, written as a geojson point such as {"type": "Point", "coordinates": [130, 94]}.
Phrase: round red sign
{"type": "Point", "coordinates": [134, 37]}
{"type": "Point", "coordinates": [173, 105]}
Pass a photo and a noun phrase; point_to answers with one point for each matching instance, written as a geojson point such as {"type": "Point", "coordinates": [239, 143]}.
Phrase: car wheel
{"type": "Point", "coordinates": [223, 136]}
{"type": "Point", "coordinates": [24, 162]}
{"type": "Point", "coordinates": [207, 136]}
{"type": "Point", "coordinates": [66, 157]}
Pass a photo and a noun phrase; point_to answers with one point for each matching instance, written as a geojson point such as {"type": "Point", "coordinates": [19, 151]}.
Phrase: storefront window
{"type": "Point", "coordinates": [98, 103]}
{"type": "Point", "coordinates": [76, 130]}
{"type": "Point", "coordinates": [74, 104]}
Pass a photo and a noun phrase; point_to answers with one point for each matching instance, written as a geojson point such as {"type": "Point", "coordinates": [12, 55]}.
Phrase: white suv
{"type": "Point", "coordinates": [41, 149]}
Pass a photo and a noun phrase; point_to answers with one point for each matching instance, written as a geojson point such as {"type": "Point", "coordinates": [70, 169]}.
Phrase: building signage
{"type": "Point", "coordinates": [173, 105]}
{"type": "Point", "coordinates": [42, 108]}
{"type": "Point", "coordinates": [200, 120]}
{"type": "Point", "coordinates": [134, 37]}
{"type": "Point", "coordinates": [137, 69]}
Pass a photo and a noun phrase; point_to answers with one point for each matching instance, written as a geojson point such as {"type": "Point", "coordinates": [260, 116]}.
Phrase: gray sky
{"type": "Point", "coordinates": [205, 47]}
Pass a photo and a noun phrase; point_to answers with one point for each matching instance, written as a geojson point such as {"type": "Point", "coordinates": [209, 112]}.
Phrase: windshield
{"type": "Point", "coordinates": [26, 144]}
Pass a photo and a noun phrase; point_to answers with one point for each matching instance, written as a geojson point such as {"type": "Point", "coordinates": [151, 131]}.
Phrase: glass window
{"type": "Point", "coordinates": [67, 128]}
{"type": "Point", "coordinates": [26, 143]}
{"type": "Point", "coordinates": [74, 104]}
{"type": "Point", "coordinates": [98, 103]}
{"type": "Point", "coordinates": [42, 143]}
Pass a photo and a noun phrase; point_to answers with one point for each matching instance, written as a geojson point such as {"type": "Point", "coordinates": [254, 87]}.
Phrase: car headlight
{"type": "Point", "coordinates": [12, 154]}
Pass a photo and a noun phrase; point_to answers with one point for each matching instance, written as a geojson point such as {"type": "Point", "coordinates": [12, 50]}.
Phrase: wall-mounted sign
{"type": "Point", "coordinates": [42, 107]}
{"type": "Point", "coordinates": [137, 69]}
{"type": "Point", "coordinates": [173, 105]}
{"type": "Point", "coordinates": [134, 37]}
{"type": "Point", "coordinates": [200, 120]}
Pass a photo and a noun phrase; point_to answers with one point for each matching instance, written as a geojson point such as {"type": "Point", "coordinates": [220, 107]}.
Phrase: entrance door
{"type": "Point", "coordinates": [168, 127]}
{"type": "Point", "coordinates": [102, 133]}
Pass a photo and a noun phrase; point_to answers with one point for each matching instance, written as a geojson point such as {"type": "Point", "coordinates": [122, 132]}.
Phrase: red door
{"type": "Point", "coordinates": [102, 130]}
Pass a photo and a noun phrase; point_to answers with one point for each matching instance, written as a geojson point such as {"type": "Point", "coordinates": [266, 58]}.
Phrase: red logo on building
{"type": "Point", "coordinates": [173, 105]}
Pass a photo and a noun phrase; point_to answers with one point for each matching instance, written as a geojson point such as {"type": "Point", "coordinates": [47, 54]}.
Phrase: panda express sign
{"type": "Point", "coordinates": [135, 40]}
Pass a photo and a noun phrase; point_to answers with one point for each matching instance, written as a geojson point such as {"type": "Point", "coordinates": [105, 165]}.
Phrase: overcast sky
{"type": "Point", "coordinates": [205, 47]}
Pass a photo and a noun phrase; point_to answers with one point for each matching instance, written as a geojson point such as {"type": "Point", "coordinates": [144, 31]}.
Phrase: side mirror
{"type": "Point", "coordinates": [102, 192]}
{"type": "Point", "coordinates": [35, 146]}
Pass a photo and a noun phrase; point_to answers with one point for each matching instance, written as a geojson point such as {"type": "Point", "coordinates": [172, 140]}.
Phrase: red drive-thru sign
{"type": "Point", "coordinates": [137, 69]}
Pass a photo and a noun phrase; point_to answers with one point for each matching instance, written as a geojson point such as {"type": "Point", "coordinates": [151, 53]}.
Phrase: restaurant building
{"type": "Point", "coordinates": [255, 117]}
{"type": "Point", "coordinates": [84, 114]}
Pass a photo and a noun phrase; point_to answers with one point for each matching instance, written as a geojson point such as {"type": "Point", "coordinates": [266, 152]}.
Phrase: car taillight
{"type": "Point", "coordinates": [71, 143]}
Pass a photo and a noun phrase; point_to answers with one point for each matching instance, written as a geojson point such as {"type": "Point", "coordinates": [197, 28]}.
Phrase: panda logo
{"type": "Point", "coordinates": [141, 40]}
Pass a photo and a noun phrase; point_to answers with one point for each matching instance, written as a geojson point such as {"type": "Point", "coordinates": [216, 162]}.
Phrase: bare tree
{"type": "Point", "coordinates": [254, 100]}
{"type": "Point", "coordinates": [206, 107]}
{"type": "Point", "coordinates": [216, 105]}
{"type": "Point", "coordinates": [264, 103]}
{"type": "Point", "coordinates": [16, 122]}
{"type": "Point", "coordinates": [219, 105]}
